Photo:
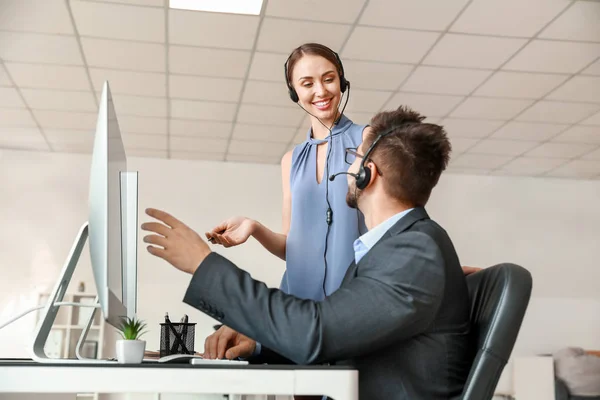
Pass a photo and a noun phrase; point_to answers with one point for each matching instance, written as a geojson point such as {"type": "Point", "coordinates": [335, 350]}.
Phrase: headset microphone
{"type": "Point", "coordinates": [332, 177]}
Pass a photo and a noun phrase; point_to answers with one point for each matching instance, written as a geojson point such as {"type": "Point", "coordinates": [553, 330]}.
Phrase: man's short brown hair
{"type": "Point", "coordinates": [411, 158]}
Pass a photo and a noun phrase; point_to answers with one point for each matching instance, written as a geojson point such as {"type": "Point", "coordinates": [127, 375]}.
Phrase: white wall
{"type": "Point", "coordinates": [549, 226]}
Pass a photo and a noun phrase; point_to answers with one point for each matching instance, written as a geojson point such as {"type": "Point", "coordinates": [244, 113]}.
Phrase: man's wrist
{"type": "Point", "coordinates": [199, 262]}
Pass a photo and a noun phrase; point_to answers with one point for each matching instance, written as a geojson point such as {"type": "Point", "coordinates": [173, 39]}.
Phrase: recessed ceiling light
{"type": "Point", "coordinates": [251, 7]}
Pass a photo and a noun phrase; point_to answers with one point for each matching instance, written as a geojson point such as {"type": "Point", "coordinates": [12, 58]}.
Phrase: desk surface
{"type": "Point", "coordinates": [26, 376]}
{"type": "Point", "coordinates": [27, 362]}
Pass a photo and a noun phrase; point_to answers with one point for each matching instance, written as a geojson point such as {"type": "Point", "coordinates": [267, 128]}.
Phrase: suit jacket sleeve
{"type": "Point", "coordinates": [395, 295]}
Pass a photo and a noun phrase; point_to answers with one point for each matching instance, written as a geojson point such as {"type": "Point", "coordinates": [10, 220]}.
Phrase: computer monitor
{"type": "Point", "coordinates": [112, 217]}
{"type": "Point", "coordinates": [112, 228]}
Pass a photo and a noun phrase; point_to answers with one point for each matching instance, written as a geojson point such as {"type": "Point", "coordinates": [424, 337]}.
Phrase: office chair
{"type": "Point", "coordinates": [499, 298]}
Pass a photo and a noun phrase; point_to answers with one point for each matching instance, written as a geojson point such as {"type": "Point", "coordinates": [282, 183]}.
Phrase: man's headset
{"type": "Point", "coordinates": [363, 177]}
{"type": "Point", "coordinates": [292, 92]}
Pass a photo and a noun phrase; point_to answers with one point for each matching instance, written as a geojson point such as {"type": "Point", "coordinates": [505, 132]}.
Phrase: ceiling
{"type": "Point", "coordinates": [516, 83]}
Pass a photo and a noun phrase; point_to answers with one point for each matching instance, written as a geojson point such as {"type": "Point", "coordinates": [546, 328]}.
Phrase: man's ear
{"type": "Point", "coordinates": [374, 173]}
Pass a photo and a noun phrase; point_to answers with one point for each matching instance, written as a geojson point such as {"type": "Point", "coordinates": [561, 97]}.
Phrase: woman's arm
{"type": "Point", "coordinates": [276, 242]}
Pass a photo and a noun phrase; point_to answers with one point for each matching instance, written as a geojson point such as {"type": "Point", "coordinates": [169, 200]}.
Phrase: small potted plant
{"type": "Point", "coordinates": [131, 349]}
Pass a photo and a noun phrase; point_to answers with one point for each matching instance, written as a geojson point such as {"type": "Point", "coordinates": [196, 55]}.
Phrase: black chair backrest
{"type": "Point", "coordinates": [499, 298]}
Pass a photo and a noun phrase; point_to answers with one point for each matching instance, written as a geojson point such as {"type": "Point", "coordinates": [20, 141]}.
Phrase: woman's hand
{"type": "Point", "coordinates": [232, 232]}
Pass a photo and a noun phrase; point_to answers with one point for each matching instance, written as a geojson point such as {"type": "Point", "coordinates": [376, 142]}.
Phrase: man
{"type": "Point", "coordinates": [401, 315]}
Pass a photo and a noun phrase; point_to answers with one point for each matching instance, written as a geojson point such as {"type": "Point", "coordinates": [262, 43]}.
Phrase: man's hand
{"type": "Point", "coordinates": [175, 242]}
{"type": "Point", "coordinates": [227, 343]}
{"type": "Point", "coordinates": [470, 270]}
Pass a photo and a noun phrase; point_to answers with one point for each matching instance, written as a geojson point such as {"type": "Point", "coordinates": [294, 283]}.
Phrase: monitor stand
{"type": "Point", "coordinates": [51, 309]}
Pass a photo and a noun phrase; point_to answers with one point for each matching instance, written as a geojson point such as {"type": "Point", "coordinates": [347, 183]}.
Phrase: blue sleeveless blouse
{"type": "Point", "coordinates": [305, 264]}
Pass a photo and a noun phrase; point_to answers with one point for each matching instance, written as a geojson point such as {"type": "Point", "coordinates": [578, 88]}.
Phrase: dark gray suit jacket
{"type": "Point", "coordinates": [401, 316]}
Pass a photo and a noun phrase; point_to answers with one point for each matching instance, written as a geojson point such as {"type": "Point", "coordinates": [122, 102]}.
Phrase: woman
{"type": "Point", "coordinates": [319, 228]}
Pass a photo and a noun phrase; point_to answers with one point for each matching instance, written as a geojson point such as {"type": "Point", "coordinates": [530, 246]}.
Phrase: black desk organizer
{"type": "Point", "coordinates": [177, 338]}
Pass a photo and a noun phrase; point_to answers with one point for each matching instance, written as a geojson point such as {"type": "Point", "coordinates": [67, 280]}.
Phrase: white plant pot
{"type": "Point", "coordinates": [130, 351]}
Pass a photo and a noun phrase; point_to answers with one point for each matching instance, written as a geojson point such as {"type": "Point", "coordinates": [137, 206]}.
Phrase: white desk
{"type": "Point", "coordinates": [339, 383]}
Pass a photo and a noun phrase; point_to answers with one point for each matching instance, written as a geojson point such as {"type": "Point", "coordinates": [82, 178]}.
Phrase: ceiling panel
{"type": "Point", "coordinates": [139, 106]}
{"type": "Point", "coordinates": [529, 131]}
{"type": "Point", "coordinates": [212, 29]}
{"type": "Point", "coordinates": [66, 120]}
{"type": "Point", "coordinates": [22, 138]}
{"type": "Point", "coordinates": [580, 88]}
{"type": "Point", "coordinates": [560, 150]}
{"type": "Point", "coordinates": [414, 44]}
{"type": "Point", "coordinates": [48, 76]}
{"type": "Point", "coordinates": [343, 11]}
{"type": "Point", "coordinates": [48, 16]}
{"type": "Point", "coordinates": [147, 153]}
{"type": "Point", "coordinates": [508, 17]}
{"type": "Point", "coordinates": [580, 134]}
{"type": "Point", "coordinates": [577, 169]}
{"type": "Point", "coordinates": [554, 111]}
{"type": "Point", "coordinates": [208, 129]}
{"type": "Point", "coordinates": [520, 85]}
{"type": "Point", "coordinates": [9, 97]}
{"type": "Point", "coordinates": [367, 100]}
{"type": "Point", "coordinates": [16, 117]}
{"type": "Point", "coordinates": [503, 147]}
{"type": "Point", "coordinates": [179, 143]}
{"type": "Point", "coordinates": [593, 120]}
{"type": "Point", "coordinates": [4, 79]}
{"type": "Point", "coordinates": [422, 15]}
{"type": "Point", "coordinates": [483, 107]}
{"type": "Point", "coordinates": [445, 80]}
{"type": "Point", "coordinates": [213, 111]}
{"type": "Point", "coordinates": [201, 88]}
{"type": "Point", "coordinates": [59, 100]}
{"type": "Point", "coordinates": [208, 62]}
{"type": "Point", "coordinates": [469, 128]}
{"type": "Point", "coordinates": [594, 155]}
{"type": "Point", "coordinates": [460, 145]}
{"type": "Point", "coordinates": [117, 21]}
{"type": "Point", "coordinates": [129, 124]}
{"type": "Point", "coordinates": [579, 22]}
{"type": "Point", "coordinates": [554, 56]}
{"type": "Point", "coordinates": [532, 166]}
{"type": "Point", "coordinates": [267, 93]}
{"type": "Point", "coordinates": [146, 142]}
{"type": "Point", "coordinates": [263, 133]}
{"type": "Point", "coordinates": [39, 48]}
{"type": "Point", "coordinates": [476, 51]}
{"type": "Point", "coordinates": [75, 136]}
{"type": "Point", "coordinates": [268, 67]}
{"type": "Point", "coordinates": [593, 69]}
{"type": "Point", "coordinates": [67, 147]}
{"type": "Point", "coordinates": [484, 161]}
{"type": "Point", "coordinates": [275, 115]}
{"type": "Point", "coordinates": [120, 54]}
{"type": "Point", "coordinates": [281, 35]}
{"type": "Point", "coordinates": [127, 82]}
{"type": "Point", "coordinates": [373, 75]}
{"type": "Point", "coordinates": [425, 104]}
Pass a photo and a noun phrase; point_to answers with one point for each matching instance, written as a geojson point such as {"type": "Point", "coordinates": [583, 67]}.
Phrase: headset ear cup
{"type": "Point", "coordinates": [343, 84]}
{"type": "Point", "coordinates": [293, 94]}
{"type": "Point", "coordinates": [364, 177]}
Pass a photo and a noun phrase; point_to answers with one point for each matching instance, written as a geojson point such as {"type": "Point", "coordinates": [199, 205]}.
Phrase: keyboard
{"type": "Point", "coordinates": [194, 359]}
